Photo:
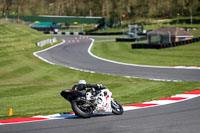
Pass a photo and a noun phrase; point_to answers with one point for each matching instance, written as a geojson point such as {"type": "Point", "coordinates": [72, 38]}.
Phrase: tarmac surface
{"type": "Point", "coordinates": [76, 55]}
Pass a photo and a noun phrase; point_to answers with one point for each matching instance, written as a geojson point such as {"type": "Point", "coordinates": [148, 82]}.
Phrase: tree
{"type": "Point", "coordinates": [20, 5]}
{"type": "Point", "coordinates": [192, 6]}
{"type": "Point", "coordinates": [6, 8]}
{"type": "Point", "coordinates": [104, 8]}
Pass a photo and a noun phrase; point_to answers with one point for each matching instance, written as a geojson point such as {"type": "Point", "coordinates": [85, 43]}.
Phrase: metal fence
{"type": "Point", "coordinates": [59, 19]}
{"type": "Point", "coordinates": [45, 42]}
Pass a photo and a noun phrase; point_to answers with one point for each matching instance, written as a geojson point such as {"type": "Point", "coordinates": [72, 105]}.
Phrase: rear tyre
{"type": "Point", "coordinates": [80, 110]}
{"type": "Point", "coordinates": [116, 108]}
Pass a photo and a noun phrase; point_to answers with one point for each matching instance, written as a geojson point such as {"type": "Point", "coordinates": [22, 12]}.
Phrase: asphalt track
{"type": "Point", "coordinates": [76, 56]}
{"type": "Point", "coordinates": [182, 117]}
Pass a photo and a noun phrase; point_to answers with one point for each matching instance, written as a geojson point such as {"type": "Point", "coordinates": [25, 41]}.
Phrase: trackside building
{"type": "Point", "coordinates": [166, 35]}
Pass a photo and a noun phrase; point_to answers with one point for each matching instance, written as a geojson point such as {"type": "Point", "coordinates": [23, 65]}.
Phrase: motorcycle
{"type": "Point", "coordinates": [85, 103]}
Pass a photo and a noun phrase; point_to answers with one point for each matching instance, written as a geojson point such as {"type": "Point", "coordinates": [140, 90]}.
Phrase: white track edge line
{"type": "Point", "coordinates": [166, 103]}
{"type": "Point", "coordinates": [116, 62]}
{"type": "Point", "coordinates": [36, 53]}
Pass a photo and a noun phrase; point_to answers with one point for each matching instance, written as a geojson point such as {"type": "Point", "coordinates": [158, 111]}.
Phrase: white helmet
{"type": "Point", "coordinates": [82, 85]}
{"type": "Point", "coordinates": [82, 82]}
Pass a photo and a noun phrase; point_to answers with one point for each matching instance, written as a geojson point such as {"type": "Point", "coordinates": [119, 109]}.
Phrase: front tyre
{"type": "Point", "coordinates": [81, 110]}
{"type": "Point", "coordinates": [116, 108]}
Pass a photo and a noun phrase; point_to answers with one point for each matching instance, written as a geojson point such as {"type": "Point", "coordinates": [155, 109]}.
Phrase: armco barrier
{"type": "Point", "coordinates": [165, 45]}
{"type": "Point", "coordinates": [45, 42]}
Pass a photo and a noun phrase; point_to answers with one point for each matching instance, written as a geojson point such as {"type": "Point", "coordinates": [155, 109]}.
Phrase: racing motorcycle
{"type": "Point", "coordinates": [97, 100]}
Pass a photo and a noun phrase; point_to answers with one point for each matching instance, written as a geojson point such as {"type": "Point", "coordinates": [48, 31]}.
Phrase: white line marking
{"type": "Point", "coordinates": [161, 102]}
{"type": "Point", "coordinates": [188, 96]}
{"type": "Point", "coordinates": [126, 108]}
{"type": "Point", "coordinates": [35, 53]}
{"type": "Point", "coordinates": [57, 116]}
{"type": "Point", "coordinates": [116, 62]}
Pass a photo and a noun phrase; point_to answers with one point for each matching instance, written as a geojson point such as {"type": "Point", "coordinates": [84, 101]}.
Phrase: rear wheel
{"type": "Point", "coordinates": [81, 109]}
{"type": "Point", "coordinates": [116, 108]}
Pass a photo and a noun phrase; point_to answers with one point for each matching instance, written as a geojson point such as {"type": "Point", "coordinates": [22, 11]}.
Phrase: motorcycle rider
{"type": "Point", "coordinates": [89, 93]}
{"type": "Point", "coordinates": [89, 98]}
{"type": "Point", "coordinates": [82, 85]}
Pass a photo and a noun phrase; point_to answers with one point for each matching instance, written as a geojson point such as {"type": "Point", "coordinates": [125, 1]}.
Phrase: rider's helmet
{"type": "Point", "coordinates": [82, 84]}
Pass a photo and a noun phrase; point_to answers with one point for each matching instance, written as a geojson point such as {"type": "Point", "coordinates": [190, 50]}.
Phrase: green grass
{"type": "Point", "coordinates": [196, 33]}
{"type": "Point", "coordinates": [187, 55]}
{"type": "Point", "coordinates": [32, 87]}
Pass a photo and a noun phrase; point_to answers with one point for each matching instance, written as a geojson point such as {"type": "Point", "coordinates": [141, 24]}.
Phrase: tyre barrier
{"type": "Point", "coordinates": [65, 33]}
{"type": "Point", "coordinates": [164, 45]}
{"type": "Point", "coordinates": [107, 33]}
{"type": "Point", "coordinates": [130, 39]}
{"type": "Point", "coordinates": [46, 32]}
{"type": "Point", "coordinates": [125, 39]}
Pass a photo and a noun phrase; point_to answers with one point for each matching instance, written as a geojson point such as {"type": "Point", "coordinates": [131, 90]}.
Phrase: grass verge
{"type": "Point", "coordinates": [186, 55]}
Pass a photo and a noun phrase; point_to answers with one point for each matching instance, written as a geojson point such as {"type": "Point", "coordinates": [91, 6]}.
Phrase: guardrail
{"type": "Point", "coordinates": [45, 42]}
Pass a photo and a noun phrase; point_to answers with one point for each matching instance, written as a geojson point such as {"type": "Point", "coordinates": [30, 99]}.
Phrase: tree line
{"type": "Point", "coordinates": [126, 9]}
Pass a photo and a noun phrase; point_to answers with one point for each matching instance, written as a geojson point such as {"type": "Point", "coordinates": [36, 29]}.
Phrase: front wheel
{"type": "Point", "coordinates": [81, 110]}
{"type": "Point", "coordinates": [116, 108]}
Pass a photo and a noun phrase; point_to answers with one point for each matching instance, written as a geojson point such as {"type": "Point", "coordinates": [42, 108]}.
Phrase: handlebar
{"type": "Point", "coordinates": [95, 86]}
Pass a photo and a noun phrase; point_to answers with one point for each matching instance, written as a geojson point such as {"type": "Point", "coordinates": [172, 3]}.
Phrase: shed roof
{"type": "Point", "coordinates": [174, 31]}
